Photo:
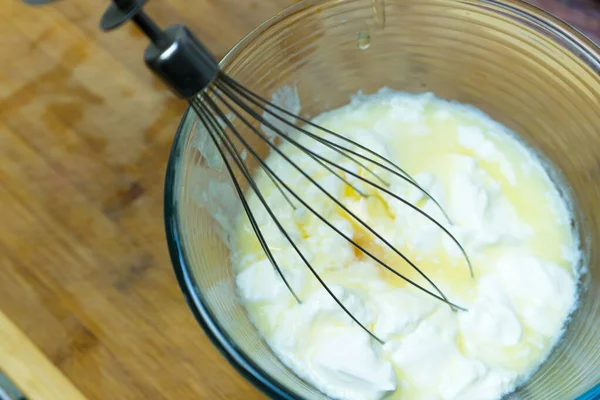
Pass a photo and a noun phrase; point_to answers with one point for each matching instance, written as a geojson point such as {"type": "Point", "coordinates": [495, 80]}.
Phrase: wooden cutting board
{"type": "Point", "coordinates": [89, 306]}
{"type": "Point", "coordinates": [85, 277]}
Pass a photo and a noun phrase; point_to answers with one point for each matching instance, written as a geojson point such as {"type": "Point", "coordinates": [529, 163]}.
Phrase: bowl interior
{"type": "Point", "coordinates": [522, 67]}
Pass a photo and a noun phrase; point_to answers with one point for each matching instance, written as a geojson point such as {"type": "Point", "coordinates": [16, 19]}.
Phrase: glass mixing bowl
{"type": "Point", "coordinates": [523, 67]}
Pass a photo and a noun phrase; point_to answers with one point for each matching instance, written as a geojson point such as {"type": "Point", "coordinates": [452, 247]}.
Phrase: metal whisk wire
{"type": "Point", "coordinates": [191, 72]}
{"type": "Point", "coordinates": [266, 105]}
{"type": "Point", "coordinates": [215, 121]}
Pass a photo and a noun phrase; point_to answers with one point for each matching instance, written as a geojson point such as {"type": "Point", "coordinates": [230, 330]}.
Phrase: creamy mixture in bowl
{"type": "Point", "coordinates": [498, 201]}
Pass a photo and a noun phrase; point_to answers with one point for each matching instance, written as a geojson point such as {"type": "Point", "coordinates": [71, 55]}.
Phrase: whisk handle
{"type": "Point", "coordinates": [182, 62]}
{"type": "Point", "coordinates": [175, 55]}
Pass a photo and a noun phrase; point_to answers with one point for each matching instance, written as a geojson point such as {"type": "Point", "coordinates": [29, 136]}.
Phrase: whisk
{"type": "Point", "coordinates": [192, 73]}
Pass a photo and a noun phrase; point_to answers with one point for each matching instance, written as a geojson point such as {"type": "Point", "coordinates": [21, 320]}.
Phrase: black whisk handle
{"type": "Point", "coordinates": [175, 54]}
{"type": "Point", "coordinates": [119, 12]}
{"type": "Point", "coordinates": [182, 62]}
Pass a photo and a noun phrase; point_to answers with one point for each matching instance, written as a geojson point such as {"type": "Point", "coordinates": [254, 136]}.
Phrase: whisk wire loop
{"type": "Point", "coordinates": [440, 296]}
{"type": "Point", "coordinates": [314, 155]}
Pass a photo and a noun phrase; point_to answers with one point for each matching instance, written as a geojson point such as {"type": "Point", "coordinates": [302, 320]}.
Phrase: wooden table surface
{"type": "Point", "coordinates": [89, 306]}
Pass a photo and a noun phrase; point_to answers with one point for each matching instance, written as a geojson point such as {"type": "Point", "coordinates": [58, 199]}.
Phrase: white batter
{"type": "Point", "coordinates": [504, 210]}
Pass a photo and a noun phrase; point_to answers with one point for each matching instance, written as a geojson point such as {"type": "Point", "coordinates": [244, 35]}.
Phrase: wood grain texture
{"type": "Point", "coordinates": [37, 375]}
{"type": "Point", "coordinates": [85, 132]}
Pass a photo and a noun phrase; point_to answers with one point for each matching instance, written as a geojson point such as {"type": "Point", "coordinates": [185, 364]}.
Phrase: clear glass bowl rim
{"type": "Point", "coordinates": [185, 277]}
